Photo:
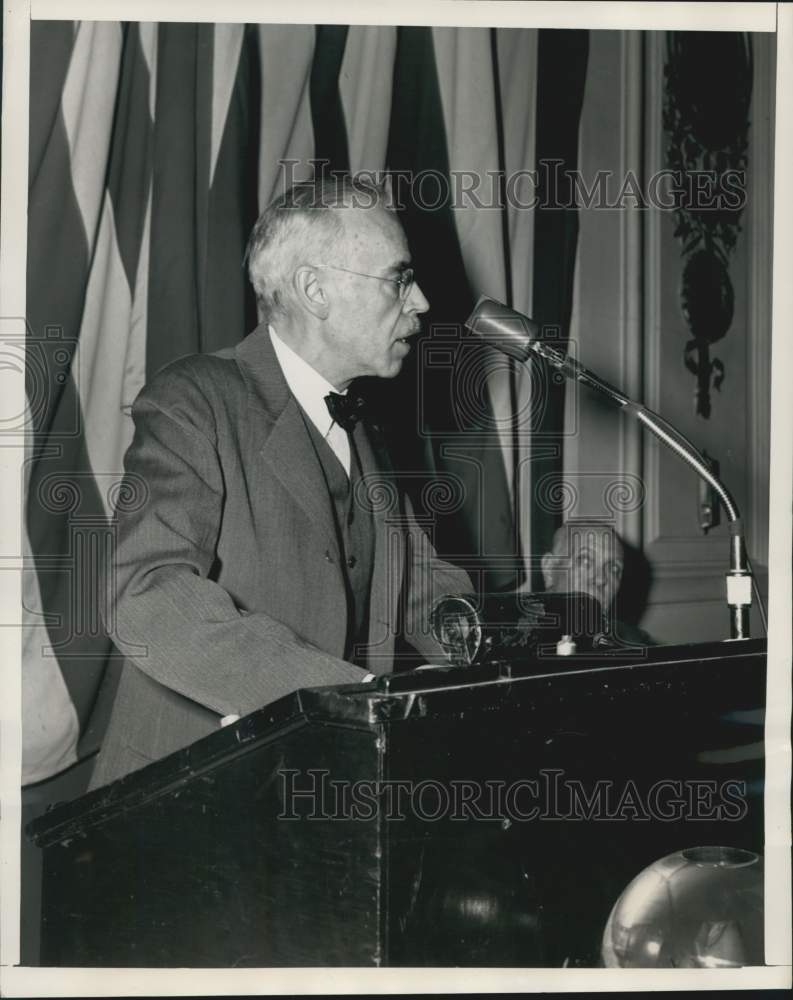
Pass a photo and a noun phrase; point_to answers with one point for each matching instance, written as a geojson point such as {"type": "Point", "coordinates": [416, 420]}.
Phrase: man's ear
{"type": "Point", "coordinates": [547, 564]}
{"type": "Point", "coordinates": [309, 292]}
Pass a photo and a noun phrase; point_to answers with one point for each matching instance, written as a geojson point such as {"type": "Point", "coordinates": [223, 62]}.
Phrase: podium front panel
{"type": "Point", "coordinates": [446, 817]}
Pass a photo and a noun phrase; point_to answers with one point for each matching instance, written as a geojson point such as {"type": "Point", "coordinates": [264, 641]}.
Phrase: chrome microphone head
{"type": "Point", "coordinates": [503, 328]}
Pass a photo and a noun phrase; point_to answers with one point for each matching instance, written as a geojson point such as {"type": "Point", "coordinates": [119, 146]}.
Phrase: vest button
{"type": "Point", "coordinates": [351, 562]}
{"type": "Point", "coordinates": [328, 556]}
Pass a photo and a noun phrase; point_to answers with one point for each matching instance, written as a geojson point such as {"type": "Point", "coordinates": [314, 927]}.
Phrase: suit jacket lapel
{"type": "Point", "coordinates": [287, 446]}
{"type": "Point", "coordinates": [382, 497]}
{"type": "Point", "coordinates": [292, 458]}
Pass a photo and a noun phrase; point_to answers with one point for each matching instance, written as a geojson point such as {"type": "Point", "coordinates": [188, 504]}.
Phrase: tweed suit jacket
{"type": "Point", "coordinates": [227, 589]}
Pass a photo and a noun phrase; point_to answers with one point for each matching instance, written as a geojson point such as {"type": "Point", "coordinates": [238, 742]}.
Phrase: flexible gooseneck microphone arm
{"type": "Point", "coordinates": [518, 337]}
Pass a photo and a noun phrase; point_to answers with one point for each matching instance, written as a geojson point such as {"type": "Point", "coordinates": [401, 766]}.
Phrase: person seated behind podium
{"type": "Point", "coordinates": [266, 549]}
{"type": "Point", "coordinates": [588, 556]}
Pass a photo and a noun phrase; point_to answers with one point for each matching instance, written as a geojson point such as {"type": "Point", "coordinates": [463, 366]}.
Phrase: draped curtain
{"type": "Point", "coordinates": [152, 149]}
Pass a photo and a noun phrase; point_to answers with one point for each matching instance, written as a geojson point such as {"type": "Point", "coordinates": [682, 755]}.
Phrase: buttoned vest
{"type": "Point", "coordinates": [355, 537]}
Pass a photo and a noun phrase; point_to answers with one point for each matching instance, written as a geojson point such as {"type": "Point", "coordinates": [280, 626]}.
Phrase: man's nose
{"type": "Point", "coordinates": [416, 301]}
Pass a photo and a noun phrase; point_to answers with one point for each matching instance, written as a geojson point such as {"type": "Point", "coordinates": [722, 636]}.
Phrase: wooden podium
{"type": "Point", "coordinates": [488, 816]}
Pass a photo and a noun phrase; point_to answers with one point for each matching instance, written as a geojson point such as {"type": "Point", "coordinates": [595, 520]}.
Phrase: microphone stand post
{"type": "Point", "coordinates": [518, 336]}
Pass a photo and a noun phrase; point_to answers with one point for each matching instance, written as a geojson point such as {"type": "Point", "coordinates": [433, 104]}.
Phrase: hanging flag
{"type": "Point", "coordinates": [141, 200]}
{"type": "Point", "coordinates": [438, 74]}
{"type": "Point", "coordinates": [365, 88]}
{"type": "Point", "coordinates": [286, 132]}
{"type": "Point", "coordinates": [71, 115]}
{"type": "Point", "coordinates": [561, 76]}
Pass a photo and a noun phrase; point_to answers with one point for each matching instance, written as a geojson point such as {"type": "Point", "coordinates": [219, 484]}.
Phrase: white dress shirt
{"type": "Point", "coordinates": [310, 389]}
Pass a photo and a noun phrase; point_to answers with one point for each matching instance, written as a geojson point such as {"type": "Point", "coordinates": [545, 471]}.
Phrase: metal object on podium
{"type": "Point", "coordinates": [513, 625]}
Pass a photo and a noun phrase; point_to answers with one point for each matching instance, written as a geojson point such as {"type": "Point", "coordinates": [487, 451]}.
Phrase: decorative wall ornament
{"type": "Point", "coordinates": [706, 118]}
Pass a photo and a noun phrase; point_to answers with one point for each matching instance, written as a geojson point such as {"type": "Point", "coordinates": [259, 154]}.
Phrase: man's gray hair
{"type": "Point", "coordinates": [301, 227]}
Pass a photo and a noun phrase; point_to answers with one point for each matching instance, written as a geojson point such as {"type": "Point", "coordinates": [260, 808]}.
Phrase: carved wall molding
{"type": "Point", "coordinates": [632, 73]}
{"type": "Point", "coordinates": [707, 93]}
{"type": "Point", "coordinates": [662, 548]}
{"type": "Point", "coordinates": [759, 223]}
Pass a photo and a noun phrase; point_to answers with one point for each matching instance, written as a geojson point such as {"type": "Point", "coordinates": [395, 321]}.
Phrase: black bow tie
{"type": "Point", "coordinates": [347, 410]}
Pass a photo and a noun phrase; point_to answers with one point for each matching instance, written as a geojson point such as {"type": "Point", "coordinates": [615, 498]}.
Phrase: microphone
{"type": "Point", "coordinates": [501, 327]}
{"type": "Point", "coordinates": [517, 336]}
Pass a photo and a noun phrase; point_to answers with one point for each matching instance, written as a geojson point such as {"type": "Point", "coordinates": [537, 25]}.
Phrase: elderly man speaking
{"type": "Point", "coordinates": [271, 549]}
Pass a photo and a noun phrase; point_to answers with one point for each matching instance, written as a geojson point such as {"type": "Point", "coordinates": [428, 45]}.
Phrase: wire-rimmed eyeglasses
{"type": "Point", "coordinates": [404, 282]}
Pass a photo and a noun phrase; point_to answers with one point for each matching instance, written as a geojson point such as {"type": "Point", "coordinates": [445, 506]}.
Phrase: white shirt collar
{"type": "Point", "coordinates": [305, 383]}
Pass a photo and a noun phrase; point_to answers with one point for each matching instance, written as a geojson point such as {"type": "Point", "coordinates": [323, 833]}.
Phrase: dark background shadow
{"type": "Point", "coordinates": [637, 578]}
